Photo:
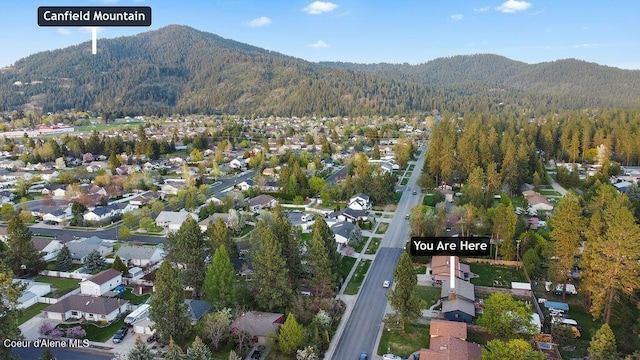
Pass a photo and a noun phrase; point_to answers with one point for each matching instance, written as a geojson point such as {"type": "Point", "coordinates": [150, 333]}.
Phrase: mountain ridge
{"type": "Point", "coordinates": [181, 69]}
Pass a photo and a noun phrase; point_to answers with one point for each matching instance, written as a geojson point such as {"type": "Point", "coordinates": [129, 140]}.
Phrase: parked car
{"type": "Point", "coordinates": [120, 334]}
{"type": "Point", "coordinates": [414, 192]}
{"type": "Point", "coordinates": [152, 338]}
{"type": "Point", "coordinates": [364, 356]}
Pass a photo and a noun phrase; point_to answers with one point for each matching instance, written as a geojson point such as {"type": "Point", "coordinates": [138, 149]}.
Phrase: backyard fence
{"type": "Point", "coordinates": [64, 274]}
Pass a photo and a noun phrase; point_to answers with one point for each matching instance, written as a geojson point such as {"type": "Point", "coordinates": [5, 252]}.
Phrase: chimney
{"type": "Point", "coordinates": [452, 295]}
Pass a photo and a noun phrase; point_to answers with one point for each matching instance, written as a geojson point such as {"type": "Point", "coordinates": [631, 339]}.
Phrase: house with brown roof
{"type": "Point", "coordinates": [449, 342]}
{"type": "Point", "coordinates": [90, 308]}
{"type": "Point", "coordinates": [260, 325]}
{"type": "Point", "coordinates": [101, 283]}
{"type": "Point", "coordinates": [440, 268]}
{"type": "Point", "coordinates": [48, 248]}
{"type": "Point", "coordinates": [261, 202]}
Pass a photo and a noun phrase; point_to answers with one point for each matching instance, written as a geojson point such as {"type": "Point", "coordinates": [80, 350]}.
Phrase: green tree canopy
{"type": "Point", "coordinates": [290, 337]}
{"type": "Point", "coordinates": [512, 349]}
{"type": "Point", "coordinates": [220, 280]}
{"type": "Point", "coordinates": [504, 316]}
{"type": "Point", "coordinates": [64, 260]}
{"type": "Point", "coordinates": [140, 351]}
{"type": "Point", "coordinates": [603, 344]}
{"type": "Point", "coordinates": [187, 247]}
{"type": "Point", "coordinates": [168, 310]}
{"type": "Point", "coordinates": [404, 297]}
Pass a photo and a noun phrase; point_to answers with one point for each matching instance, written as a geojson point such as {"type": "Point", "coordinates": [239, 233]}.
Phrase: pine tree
{"type": "Point", "coordinates": [318, 261]}
{"type": "Point", "coordinates": [504, 228]}
{"type": "Point", "coordinates": [64, 260]}
{"type": "Point", "coordinates": [290, 337]}
{"type": "Point", "coordinates": [404, 298]}
{"type": "Point", "coordinates": [603, 344]}
{"type": "Point", "coordinates": [94, 262]}
{"type": "Point", "coordinates": [198, 351]}
{"type": "Point", "coordinates": [473, 189]}
{"type": "Point", "coordinates": [174, 352]}
{"type": "Point", "coordinates": [119, 265]}
{"type": "Point", "coordinates": [168, 310]}
{"type": "Point", "coordinates": [218, 234]}
{"type": "Point", "coordinates": [22, 257]}
{"type": "Point", "coordinates": [613, 238]}
{"type": "Point", "coordinates": [271, 273]}
{"type": "Point", "coordinates": [567, 225]}
{"type": "Point", "coordinates": [290, 242]}
{"type": "Point", "coordinates": [220, 280]}
{"type": "Point", "coordinates": [320, 226]}
{"type": "Point", "coordinates": [140, 351]}
{"type": "Point", "coordinates": [47, 355]}
{"type": "Point", "coordinates": [187, 247]}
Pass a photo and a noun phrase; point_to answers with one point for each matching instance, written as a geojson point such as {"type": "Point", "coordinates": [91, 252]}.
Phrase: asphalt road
{"type": "Point", "coordinates": [32, 353]}
{"type": "Point", "coordinates": [366, 318]}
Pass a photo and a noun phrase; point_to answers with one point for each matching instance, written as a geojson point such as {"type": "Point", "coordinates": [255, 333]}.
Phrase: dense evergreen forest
{"type": "Point", "coordinates": [180, 69]}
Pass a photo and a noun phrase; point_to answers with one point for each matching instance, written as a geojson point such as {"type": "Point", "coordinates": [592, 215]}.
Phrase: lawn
{"type": "Point", "coordinates": [405, 343]}
{"type": "Point", "coordinates": [105, 127]}
{"type": "Point", "coordinates": [404, 181]}
{"type": "Point", "coordinates": [51, 266]}
{"type": "Point", "coordinates": [429, 294]}
{"type": "Point", "coordinates": [496, 276]}
{"type": "Point", "coordinates": [306, 237]}
{"type": "Point", "coordinates": [346, 263]}
{"type": "Point", "coordinates": [550, 193]}
{"type": "Point", "coordinates": [31, 311]}
{"type": "Point", "coordinates": [517, 201]}
{"type": "Point", "coordinates": [397, 197]}
{"type": "Point", "coordinates": [133, 298]}
{"type": "Point", "coordinates": [99, 334]}
{"type": "Point", "coordinates": [419, 269]}
{"type": "Point", "coordinates": [62, 285]}
{"type": "Point", "coordinates": [359, 246]}
{"type": "Point", "coordinates": [373, 246]}
{"type": "Point", "coordinates": [382, 228]}
{"type": "Point", "coordinates": [358, 277]}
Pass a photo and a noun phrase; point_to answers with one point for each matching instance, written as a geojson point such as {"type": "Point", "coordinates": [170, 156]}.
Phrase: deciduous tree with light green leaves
{"type": "Point", "coordinates": [8, 307]}
{"type": "Point", "coordinates": [124, 233]}
{"type": "Point", "coordinates": [220, 280]}
{"type": "Point", "coordinates": [504, 316]}
{"type": "Point", "coordinates": [290, 337]}
{"type": "Point", "coordinates": [404, 297]}
{"type": "Point", "coordinates": [567, 225]}
{"type": "Point", "coordinates": [603, 344]}
{"type": "Point", "coordinates": [512, 349]}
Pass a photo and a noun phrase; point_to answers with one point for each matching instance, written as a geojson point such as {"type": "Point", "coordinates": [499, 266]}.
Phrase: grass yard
{"type": "Point", "coordinates": [414, 337]}
{"type": "Point", "coordinates": [346, 263]}
{"type": "Point", "coordinates": [429, 294]}
{"type": "Point", "coordinates": [63, 286]}
{"type": "Point", "coordinates": [382, 228]}
{"type": "Point", "coordinates": [550, 193]}
{"type": "Point", "coordinates": [373, 246]}
{"type": "Point", "coordinates": [51, 266]}
{"type": "Point", "coordinates": [358, 277]}
{"type": "Point", "coordinates": [517, 201]}
{"type": "Point", "coordinates": [359, 246]}
{"type": "Point", "coordinates": [496, 276]}
{"type": "Point", "coordinates": [419, 269]}
{"type": "Point", "coordinates": [133, 298]}
{"type": "Point", "coordinates": [404, 181]}
{"type": "Point", "coordinates": [397, 197]}
{"type": "Point", "coordinates": [99, 334]}
{"type": "Point", "coordinates": [31, 311]}
{"type": "Point", "coordinates": [306, 237]}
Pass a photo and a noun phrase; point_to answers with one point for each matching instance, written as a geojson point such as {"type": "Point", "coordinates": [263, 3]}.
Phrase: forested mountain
{"type": "Point", "coordinates": [180, 69]}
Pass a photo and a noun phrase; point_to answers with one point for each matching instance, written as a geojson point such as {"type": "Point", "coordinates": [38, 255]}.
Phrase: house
{"type": "Point", "coordinates": [448, 194]}
{"type": "Point", "coordinates": [141, 256]}
{"type": "Point", "coordinates": [458, 302]}
{"type": "Point", "coordinates": [344, 232]}
{"type": "Point", "coordinates": [84, 307]}
{"type": "Point", "coordinates": [81, 248]}
{"type": "Point", "coordinates": [448, 340]}
{"type": "Point", "coordinates": [172, 220]}
{"type": "Point", "coordinates": [212, 219]}
{"type": "Point", "coordinates": [102, 213]}
{"type": "Point", "coordinates": [245, 185]}
{"type": "Point", "coordinates": [260, 325]}
{"type": "Point", "coordinates": [47, 247]}
{"type": "Point", "coordinates": [32, 292]}
{"type": "Point", "coordinates": [269, 172]}
{"type": "Point", "coordinates": [237, 163]}
{"type": "Point", "coordinates": [144, 326]}
{"type": "Point", "coordinates": [197, 309]}
{"type": "Point", "coordinates": [261, 202]}
{"type": "Point", "coordinates": [539, 202]}
{"type": "Point", "coordinates": [144, 199]}
{"type": "Point", "coordinates": [58, 216]}
{"type": "Point", "coordinates": [171, 187]}
{"type": "Point", "coordinates": [360, 202]}
{"type": "Point", "coordinates": [440, 268]}
{"type": "Point", "coordinates": [270, 186]}
{"type": "Point", "coordinates": [100, 283]}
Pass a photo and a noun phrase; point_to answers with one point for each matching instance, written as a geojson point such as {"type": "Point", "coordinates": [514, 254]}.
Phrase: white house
{"type": "Point", "coordinates": [58, 216]}
{"type": "Point", "coordinates": [140, 255]}
{"type": "Point", "coordinates": [101, 283]}
{"type": "Point", "coordinates": [260, 202]}
{"type": "Point", "coordinates": [172, 220]}
{"type": "Point", "coordinates": [32, 292]}
{"type": "Point", "coordinates": [102, 213]}
{"type": "Point", "coordinates": [48, 248]}
{"type": "Point", "coordinates": [212, 219]}
{"type": "Point", "coordinates": [344, 231]}
{"type": "Point", "coordinates": [360, 202]}
{"type": "Point", "coordinates": [237, 163]}
{"type": "Point", "coordinates": [171, 187]}
{"type": "Point", "coordinates": [92, 308]}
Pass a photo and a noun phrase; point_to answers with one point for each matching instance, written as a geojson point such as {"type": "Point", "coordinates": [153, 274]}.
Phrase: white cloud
{"type": "Point", "coordinates": [457, 17]}
{"type": "Point", "coordinates": [258, 22]}
{"type": "Point", "coordinates": [319, 45]}
{"type": "Point", "coordinates": [585, 28]}
{"type": "Point", "coordinates": [63, 31]}
{"type": "Point", "coordinates": [512, 6]}
{"type": "Point", "coordinates": [586, 45]}
{"type": "Point", "coordinates": [482, 9]}
{"type": "Point", "coordinates": [319, 7]}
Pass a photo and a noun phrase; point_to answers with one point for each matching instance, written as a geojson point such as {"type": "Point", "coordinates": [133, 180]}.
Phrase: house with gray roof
{"type": "Point", "coordinates": [260, 325]}
{"type": "Point", "coordinates": [458, 301]}
{"type": "Point", "coordinates": [345, 232]}
{"type": "Point", "coordinates": [83, 247]}
{"type": "Point", "coordinates": [172, 220]}
{"type": "Point", "coordinates": [91, 308]}
{"type": "Point", "coordinates": [197, 309]}
{"type": "Point", "coordinates": [142, 256]}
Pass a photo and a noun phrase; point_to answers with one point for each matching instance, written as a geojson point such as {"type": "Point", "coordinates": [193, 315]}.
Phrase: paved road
{"type": "Point", "coordinates": [32, 353]}
{"type": "Point", "coordinates": [227, 183]}
{"type": "Point", "coordinates": [366, 318]}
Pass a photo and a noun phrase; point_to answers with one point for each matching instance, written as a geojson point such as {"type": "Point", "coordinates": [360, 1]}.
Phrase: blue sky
{"type": "Point", "coordinates": [369, 31]}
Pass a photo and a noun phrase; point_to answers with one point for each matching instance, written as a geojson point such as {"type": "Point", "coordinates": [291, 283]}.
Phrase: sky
{"type": "Point", "coordinates": [368, 31]}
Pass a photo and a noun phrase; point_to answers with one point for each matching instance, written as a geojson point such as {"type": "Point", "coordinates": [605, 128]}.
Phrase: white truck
{"type": "Point", "coordinates": [140, 313]}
